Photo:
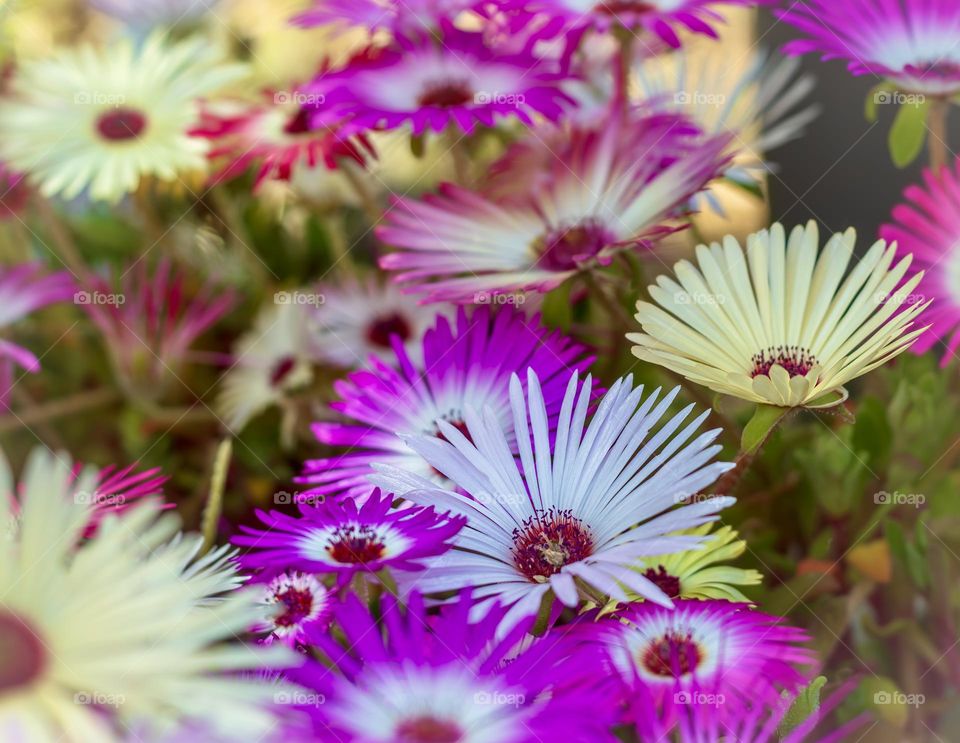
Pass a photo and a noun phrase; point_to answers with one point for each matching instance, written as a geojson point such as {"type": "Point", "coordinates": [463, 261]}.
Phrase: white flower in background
{"type": "Point", "coordinates": [141, 13]}
{"type": "Point", "coordinates": [780, 324]}
{"type": "Point", "coordinates": [129, 628]}
{"type": "Point", "coordinates": [99, 120]}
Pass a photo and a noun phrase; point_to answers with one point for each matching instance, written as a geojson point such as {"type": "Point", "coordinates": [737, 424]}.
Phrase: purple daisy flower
{"type": "Point", "coordinates": [928, 226]}
{"type": "Point", "coordinates": [468, 363]}
{"type": "Point", "coordinates": [660, 17]}
{"type": "Point", "coordinates": [912, 43]}
{"type": "Point", "coordinates": [664, 657]}
{"type": "Point", "coordinates": [581, 508]}
{"type": "Point", "coordinates": [592, 193]}
{"type": "Point", "coordinates": [345, 539]}
{"type": "Point", "coordinates": [416, 677]}
{"type": "Point", "coordinates": [299, 605]}
{"type": "Point", "coordinates": [430, 83]}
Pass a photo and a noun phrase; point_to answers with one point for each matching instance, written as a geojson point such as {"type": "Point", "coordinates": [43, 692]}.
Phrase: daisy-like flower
{"type": "Point", "coordinates": [102, 119]}
{"type": "Point", "coordinates": [695, 646]}
{"type": "Point", "coordinates": [415, 677]}
{"type": "Point", "coordinates": [760, 100]}
{"type": "Point", "coordinates": [431, 82]}
{"type": "Point", "coordinates": [398, 16]}
{"type": "Point", "coordinates": [343, 538]}
{"type": "Point", "coordinates": [298, 604]}
{"type": "Point", "coordinates": [275, 136]}
{"type": "Point", "coordinates": [927, 226]}
{"type": "Point", "coordinates": [586, 508]}
{"type": "Point", "coordinates": [23, 289]}
{"type": "Point", "coordinates": [360, 318]}
{"type": "Point", "coordinates": [663, 18]}
{"type": "Point", "coordinates": [129, 628]}
{"type": "Point", "coordinates": [150, 323]}
{"type": "Point", "coordinates": [145, 13]}
{"type": "Point", "coordinates": [912, 43]}
{"type": "Point", "coordinates": [781, 324]}
{"type": "Point", "coordinates": [467, 363]}
{"type": "Point", "coordinates": [600, 192]}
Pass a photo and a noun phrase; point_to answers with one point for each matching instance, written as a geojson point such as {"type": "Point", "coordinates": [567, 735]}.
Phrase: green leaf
{"type": "Point", "coordinates": [872, 432]}
{"type": "Point", "coordinates": [556, 309]}
{"type": "Point", "coordinates": [806, 703]}
{"type": "Point", "coordinates": [886, 699]}
{"type": "Point", "coordinates": [908, 133]}
{"type": "Point", "coordinates": [878, 94]}
{"type": "Point", "coordinates": [757, 431]}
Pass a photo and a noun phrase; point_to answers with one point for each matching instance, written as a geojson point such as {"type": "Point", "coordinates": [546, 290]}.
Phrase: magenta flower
{"type": "Point", "coordinates": [344, 539]}
{"type": "Point", "coordinates": [468, 363]}
{"type": "Point", "coordinates": [928, 226]}
{"type": "Point", "coordinates": [299, 606]}
{"type": "Point", "coordinates": [398, 16]}
{"type": "Point", "coordinates": [428, 82]}
{"type": "Point", "coordinates": [912, 43]}
{"type": "Point", "coordinates": [418, 677]}
{"type": "Point", "coordinates": [150, 323]}
{"type": "Point", "coordinates": [590, 195]}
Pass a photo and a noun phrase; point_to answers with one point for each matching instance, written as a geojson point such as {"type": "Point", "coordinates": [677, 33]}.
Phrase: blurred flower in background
{"type": "Point", "coordinates": [145, 13]}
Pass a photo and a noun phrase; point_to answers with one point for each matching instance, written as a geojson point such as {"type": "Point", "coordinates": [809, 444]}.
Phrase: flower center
{"type": "Point", "coordinates": [459, 425]}
{"type": "Point", "coordinates": [797, 361]}
{"type": "Point", "coordinates": [619, 7]}
{"type": "Point", "coordinates": [427, 729]}
{"type": "Point", "coordinates": [385, 326]}
{"type": "Point", "coordinates": [356, 544]}
{"type": "Point", "coordinates": [663, 580]}
{"type": "Point", "coordinates": [565, 248]}
{"type": "Point", "coordinates": [297, 603]}
{"type": "Point", "coordinates": [23, 655]}
{"type": "Point", "coordinates": [548, 541]}
{"type": "Point", "coordinates": [674, 655]}
{"type": "Point", "coordinates": [121, 124]}
{"type": "Point", "coordinates": [299, 123]}
{"type": "Point", "coordinates": [446, 93]}
{"type": "Point", "coordinates": [281, 370]}
{"type": "Point", "coordinates": [938, 68]}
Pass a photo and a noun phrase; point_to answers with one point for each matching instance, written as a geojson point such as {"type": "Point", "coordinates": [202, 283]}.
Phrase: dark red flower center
{"type": "Point", "coordinates": [384, 327]}
{"type": "Point", "coordinates": [674, 655]}
{"type": "Point", "coordinates": [281, 370]}
{"type": "Point", "coordinates": [297, 605]}
{"type": "Point", "coordinates": [22, 652]}
{"type": "Point", "coordinates": [446, 93]}
{"type": "Point", "coordinates": [299, 123]}
{"type": "Point", "coordinates": [566, 248]}
{"type": "Point", "coordinates": [121, 123]}
{"type": "Point", "coordinates": [355, 544]}
{"type": "Point", "coordinates": [427, 729]}
{"type": "Point", "coordinates": [663, 580]}
{"type": "Point", "coordinates": [797, 361]}
{"type": "Point", "coordinates": [459, 425]}
{"type": "Point", "coordinates": [548, 541]}
{"type": "Point", "coordinates": [622, 7]}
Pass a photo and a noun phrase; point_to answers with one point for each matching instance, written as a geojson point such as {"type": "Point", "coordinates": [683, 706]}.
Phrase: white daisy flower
{"type": "Point", "coordinates": [583, 512]}
{"type": "Point", "coordinates": [126, 628]}
{"type": "Point", "coordinates": [780, 325]}
{"type": "Point", "coordinates": [144, 13]}
{"type": "Point", "coordinates": [101, 119]}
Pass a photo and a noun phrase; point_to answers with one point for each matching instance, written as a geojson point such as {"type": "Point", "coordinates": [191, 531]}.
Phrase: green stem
{"type": "Point", "coordinates": [218, 483]}
{"type": "Point", "coordinates": [937, 145]}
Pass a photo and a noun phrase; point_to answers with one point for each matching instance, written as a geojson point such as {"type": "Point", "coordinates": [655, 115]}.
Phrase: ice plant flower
{"type": "Point", "coordinates": [298, 605]}
{"type": "Point", "coordinates": [414, 677]}
{"type": "Point", "coordinates": [149, 323]}
{"type": "Point", "coordinates": [467, 362]}
{"type": "Point", "coordinates": [344, 539]}
{"type": "Point", "coordinates": [724, 648]}
{"type": "Point", "coordinates": [129, 628]}
{"type": "Point", "coordinates": [146, 13]}
{"type": "Point", "coordinates": [663, 18]}
{"type": "Point", "coordinates": [781, 324]}
{"type": "Point", "coordinates": [912, 43]}
{"type": "Point", "coordinates": [433, 82]}
{"type": "Point", "coordinates": [927, 226]}
{"type": "Point", "coordinates": [599, 192]}
{"type": "Point", "coordinates": [398, 16]}
{"type": "Point", "coordinates": [360, 317]}
{"type": "Point", "coordinates": [586, 508]}
{"type": "Point", "coordinates": [274, 136]}
{"type": "Point", "coordinates": [760, 100]}
{"type": "Point", "coordinates": [101, 119]}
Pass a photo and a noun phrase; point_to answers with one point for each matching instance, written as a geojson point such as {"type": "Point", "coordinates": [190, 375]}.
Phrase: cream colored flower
{"type": "Point", "coordinates": [782, 323]}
